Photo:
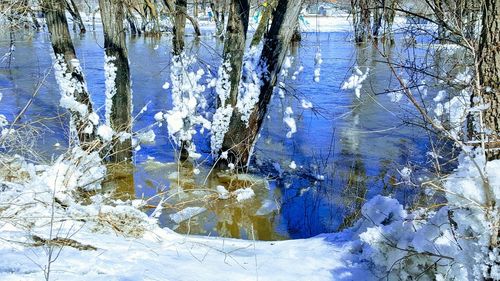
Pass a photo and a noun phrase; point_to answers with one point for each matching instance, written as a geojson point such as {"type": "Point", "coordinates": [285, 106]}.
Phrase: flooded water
{"type": "Point", "coordinates": [346, 149]}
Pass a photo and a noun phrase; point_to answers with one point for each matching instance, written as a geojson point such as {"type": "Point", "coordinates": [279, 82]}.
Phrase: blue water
{"type": "Point", "coordinates": [346, 149]}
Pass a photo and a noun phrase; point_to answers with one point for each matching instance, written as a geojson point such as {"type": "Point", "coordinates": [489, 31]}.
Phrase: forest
{"type": "Point", "coordinates": [249, 140]}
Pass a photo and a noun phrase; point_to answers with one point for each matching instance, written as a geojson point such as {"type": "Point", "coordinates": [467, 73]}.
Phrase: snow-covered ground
{"type": "Point", "coordinates": [46, 219]}
{"type": "Point", "coordinates": [100, 239]}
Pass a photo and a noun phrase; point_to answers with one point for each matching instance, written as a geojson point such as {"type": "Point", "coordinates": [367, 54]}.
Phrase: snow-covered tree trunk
{"type": "Point", "coordinates": [118, 92]}
{"type": "Point", "coordinates": [489, 74]}
{"type": "Point", "coordinates": [241, 136]}
{"type": "Point", "coordinates": [132, 21]}
{"type": "Point", "coordinates": [74, 94]}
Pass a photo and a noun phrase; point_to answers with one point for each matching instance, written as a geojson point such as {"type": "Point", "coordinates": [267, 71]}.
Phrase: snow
{"type": "Point", "coordinates": [223, 193]}
{"type": "Point", "coordinates": [244, 194]}
{"type": "Point", "coordinates": [147, 137]}
{"type": "Point", "coordinates": [317, 65]}
{"type": "Point", "coordinates": [220, 126]}
{"type": "Point", "coordinates": [306, 104]}
{"type": "Point", "coordinates": [3, 121]}
{"type": "Point", "coordinates": [69, 85]}
{"type": "Point", "coordinates": [121, 242]}
{"type": "Point", "coordinates": [105, 132]}
{"type": "Point", "coordinates": [188, 103]}
{"type": "Point", "coordinates": [405, 173]}
{"type": "Point", "coordinates": [110, 77]}
{"type": "Point", "coordinates": [355, 81]}
{"type": "Point", "coordinates": [290, 122]}
{"type": "Point", "coordinates": [223, 83]}
{"type": "Point", "coordinates": [440, 96]}
{"type": "Point", "coordinates": [396, 96]}
{"type": "Point", "coordinates": [249, 89]}
{"type": "Point", "coordinates": [159, 116]}
{"type": "Point", "coordinates": [175, 121]}
{"type": "Point", "coordinates": [455, 238]}
{"type": "Point", "coordinates": [112, 240]}
{"type": "Point", "coordinates": [268, 206]}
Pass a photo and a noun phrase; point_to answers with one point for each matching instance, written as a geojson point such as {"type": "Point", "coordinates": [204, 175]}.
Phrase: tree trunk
{"type": "Point", "coordinates": [170, 7]}
{"type": "Point", "coordinates": [361, 20]}
{"type": "Point", "coordinates": [67, 63]}
{"type": "Point", "coordinates": [179, 26]}
{"type": "Point", "coordinates": [240, 138]}
{"type": "Point", "coordinates": [378, 12]}
{"type": "Point", "coordinates": [120, 120]}
{"type": "Point", "coordinates": [389, 15]}
{"type": "Point", "coordinates": [489, 73]}
{"type": "Point", "coordinates": [151, 7]}
{"type": "Point", "coordinates": [132, 23]}
{"type": "Point", "coordinates": [263, 23]}
{"type": "Point", "coordinates": [218, 18]}
{"type": "Point", "coordinates": [75, 14]}
{"type": "Point", "coordinates": [297, 36]}
{"type": "Point", "coordinates": [234, 45]}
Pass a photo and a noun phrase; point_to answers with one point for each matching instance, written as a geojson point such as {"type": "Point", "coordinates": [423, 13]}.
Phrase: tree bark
{"type": "Point", "coordinates": [378, 13]}
{"type": "Point", "coordinates": [489, 73]}
{"type": "Point", "coordinates": [234, 44]}
{"type": "Point", "coordinates": [263, 23]}
{"type": "Point", "coordinates": [151, 7]}
{"type": "Point", "coordinates": [171, 9]}
{"type": "Point", "coordinates": [240, 138]}
{"type": "Point", "coordinates": [179, 26]}
{"type": "Point", "coordinates": [389, 15]}
{"type": "Point", "coordinates": [218, 16]}
{"type": "Point", "coordinates": [67, 61]}
{"type": "Point", "coordinates": [361, 20]}
{"type": "Point", "coordinates": [112, 14]}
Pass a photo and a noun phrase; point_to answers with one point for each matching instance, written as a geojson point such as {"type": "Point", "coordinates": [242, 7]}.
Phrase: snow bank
{"type": "Point", "coordinates": [452, 243]}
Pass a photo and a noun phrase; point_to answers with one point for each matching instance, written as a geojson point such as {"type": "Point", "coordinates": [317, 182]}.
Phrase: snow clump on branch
{"type": "Point", "coordinates": [355, 81]}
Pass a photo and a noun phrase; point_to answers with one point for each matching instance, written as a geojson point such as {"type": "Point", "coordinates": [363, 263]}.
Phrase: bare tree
{"type": "Point", "coordinates": [112, 14]}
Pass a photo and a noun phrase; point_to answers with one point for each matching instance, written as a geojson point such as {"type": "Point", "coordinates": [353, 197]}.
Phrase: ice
{"type": "Point", "coordinates": [186, 214]}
